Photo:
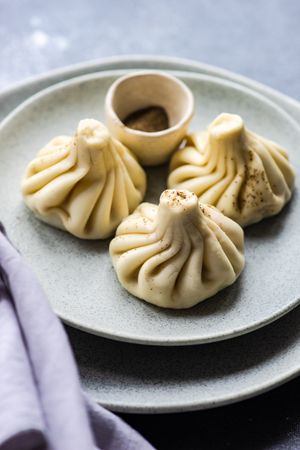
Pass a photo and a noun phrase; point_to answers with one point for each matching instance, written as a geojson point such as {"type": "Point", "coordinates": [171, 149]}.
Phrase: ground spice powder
{"type": "Point", "coordinates": [151, 119]}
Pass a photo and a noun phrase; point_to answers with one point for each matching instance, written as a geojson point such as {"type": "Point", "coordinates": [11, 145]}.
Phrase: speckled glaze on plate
{"type": "Point", "coordinates": [178, 379]}
{"type": "Point", "coordinates": [78, 276]}
{"type": "Point", "coordinates": [146, 379]}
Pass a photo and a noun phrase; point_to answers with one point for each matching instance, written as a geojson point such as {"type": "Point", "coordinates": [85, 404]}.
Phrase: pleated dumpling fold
{"type": "Point", "coordinates": [246, 176]}
{"type": "Point", "coordinates": [86, 183]}
{"type": "Point", "coordinates": [178, 253]}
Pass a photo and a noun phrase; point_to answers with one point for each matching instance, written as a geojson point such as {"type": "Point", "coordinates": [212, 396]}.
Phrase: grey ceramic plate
{"type": "Point", "coordinates": [132, 378]}
{"type": "Point", "coordinates": [78, 276]}
{"type": "Point", "coordinates": [145, 379]}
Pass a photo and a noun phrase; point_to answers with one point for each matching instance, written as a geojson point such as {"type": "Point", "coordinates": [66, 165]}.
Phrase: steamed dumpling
{"type": "Point", "coordinates": [244, 175]}
{"type": "Point", "coordinates": [86, 183]}
{"type": "Point", "coordinates": [178, 253]}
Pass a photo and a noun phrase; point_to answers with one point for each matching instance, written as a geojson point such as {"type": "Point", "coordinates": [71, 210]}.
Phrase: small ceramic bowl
{"type": "Point", "coordinates": [140, 90]}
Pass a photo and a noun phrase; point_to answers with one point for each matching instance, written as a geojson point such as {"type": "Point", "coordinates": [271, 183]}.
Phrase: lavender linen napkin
{"type": "Point", "coordinates": [41, 403]}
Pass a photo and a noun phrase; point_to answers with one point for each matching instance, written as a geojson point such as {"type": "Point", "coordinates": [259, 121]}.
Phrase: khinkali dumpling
{"type": "Point", "coordinates": [86, 183]}
{"type": "Point", "coordinates": [246, 176]}
{"type": "Point", "coordinates": [178, 253]}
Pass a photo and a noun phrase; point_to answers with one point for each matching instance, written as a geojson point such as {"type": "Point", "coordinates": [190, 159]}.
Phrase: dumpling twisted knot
{"type": "Point", "coordinates": [86, 183]}
{"type": "Point", "coordinates": [178, 253]}
{"type": "Point", "coordinates": [246, 176]}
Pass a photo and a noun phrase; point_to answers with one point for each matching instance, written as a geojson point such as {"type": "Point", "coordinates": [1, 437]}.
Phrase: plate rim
{"type": "Point", "coordinates": [153, 340]}
{"type": "Point", "coordinates": [187, 64]}
{"type": "Point", "coordinates": [178, 407]}
{"type": "Point", "coordinates": [111, 72]}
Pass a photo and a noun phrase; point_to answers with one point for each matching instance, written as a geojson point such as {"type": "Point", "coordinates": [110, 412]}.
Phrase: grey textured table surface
{"type": "Point", "coordinates": [258, 38]}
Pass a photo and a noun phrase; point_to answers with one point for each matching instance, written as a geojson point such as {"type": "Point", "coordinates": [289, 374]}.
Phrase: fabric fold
{"type": "Point", "coordinates": [39, 384]}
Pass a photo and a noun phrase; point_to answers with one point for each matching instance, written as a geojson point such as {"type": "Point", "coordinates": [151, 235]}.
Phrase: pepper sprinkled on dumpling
{"type": "Point", "coordinates": [178, 253]}
{"type": "Point", "coordinates": [246, 176]}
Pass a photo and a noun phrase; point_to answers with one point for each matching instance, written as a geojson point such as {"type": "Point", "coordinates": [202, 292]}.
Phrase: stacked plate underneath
{"type": "Point", "coordinates": [223, 350]}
